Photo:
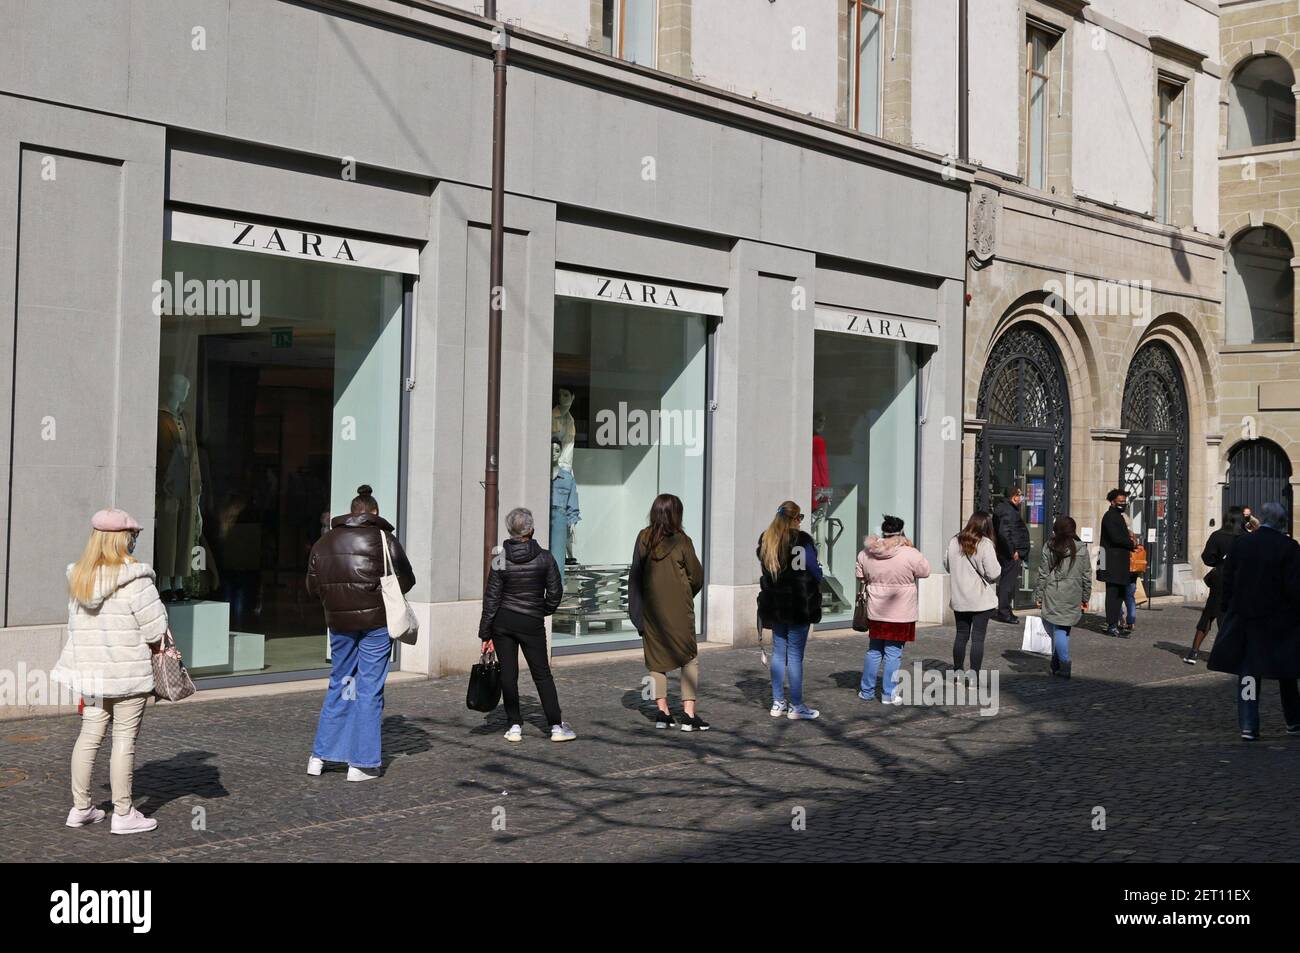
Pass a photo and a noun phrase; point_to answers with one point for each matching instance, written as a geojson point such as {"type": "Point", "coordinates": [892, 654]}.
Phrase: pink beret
{"type": "Point", "coordinates": [114, 521]}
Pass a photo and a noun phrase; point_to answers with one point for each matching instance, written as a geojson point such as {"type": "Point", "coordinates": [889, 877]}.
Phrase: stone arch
{"type": "Point", "coordinates": [1237, 57]}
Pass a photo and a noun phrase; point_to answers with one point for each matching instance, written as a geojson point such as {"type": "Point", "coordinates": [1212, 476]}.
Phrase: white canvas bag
{"type": "Point", "coordinates": [401, 620]}
{"type": "Point", "coordinates": [1036, 638]}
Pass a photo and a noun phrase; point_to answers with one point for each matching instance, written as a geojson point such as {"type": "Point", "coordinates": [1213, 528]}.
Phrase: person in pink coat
{"type": "Point", "coordinates": [888, 568]}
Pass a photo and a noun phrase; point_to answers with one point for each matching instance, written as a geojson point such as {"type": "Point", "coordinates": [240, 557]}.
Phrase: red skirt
{"type": "Point", "coordinates": [892, 631]}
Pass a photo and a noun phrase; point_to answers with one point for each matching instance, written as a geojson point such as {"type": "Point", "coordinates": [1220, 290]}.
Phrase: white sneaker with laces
{"type": "Point", "coordinates": [132, 823]}
{"type": "Point", "coordinates": [515, 733]}
{"type": "Point", "coordinates": [804, 713]}
{"type": "Point", "coordinates": [779, 709]}
{"type": "Point", "coordinates": [362, 774]}
{"type": "Point", "coordinates": [314, 766]}
{"type": "Point", "coordinates": [81, 816]}
{"type": "Point", "coordinates": [562, 732]}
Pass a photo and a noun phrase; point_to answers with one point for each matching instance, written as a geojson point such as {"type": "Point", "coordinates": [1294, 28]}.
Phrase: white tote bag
{"type": "Point", "coordinates": [1036, 638]}
{"type": "Point", "coordinates": [402, 623]}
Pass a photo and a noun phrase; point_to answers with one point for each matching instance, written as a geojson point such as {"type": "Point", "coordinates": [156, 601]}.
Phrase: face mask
{"type": "Point", "coordinates": [1121, 506]}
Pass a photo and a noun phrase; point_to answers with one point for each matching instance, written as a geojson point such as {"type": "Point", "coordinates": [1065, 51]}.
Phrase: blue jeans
{"type": "Point", "coordinates": [1131, 602]}
{"type": "Point", "coordinates": [1248, 708]}
{"type": "Point", "coordinates": [1061, 642]}
{"type": "Point", "coordinates": [788, 644]}
{"type": "Point", "coordinates": [893, 653]}
{"type": "Point", "coordinates": [351, 717]}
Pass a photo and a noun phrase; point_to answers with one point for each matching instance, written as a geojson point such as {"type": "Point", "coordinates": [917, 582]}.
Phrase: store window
{"type": "Point", "coordinates": [270, 416]}
{"type": "Point", "coordinates": [864, 452]}
{"type": "Point", "coordinates": [627, 423]}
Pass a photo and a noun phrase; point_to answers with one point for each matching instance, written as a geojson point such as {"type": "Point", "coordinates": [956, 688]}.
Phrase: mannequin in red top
{"type": "Point", "coordinates": [821, 475]}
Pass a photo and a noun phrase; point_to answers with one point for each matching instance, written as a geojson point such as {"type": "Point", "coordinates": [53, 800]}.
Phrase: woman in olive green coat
{"type": "Point", "coordinates": [1064, 588]}
{"type": "Point", "coordinates": [666, 576]}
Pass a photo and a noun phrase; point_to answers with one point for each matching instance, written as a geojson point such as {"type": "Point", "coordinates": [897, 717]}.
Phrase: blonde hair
{"type": "Point", "coordinates": [104, 550]}
{"type": "Point", "coordinates": [779, 535]}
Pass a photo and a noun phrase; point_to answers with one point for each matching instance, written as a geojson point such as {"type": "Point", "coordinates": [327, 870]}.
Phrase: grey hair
{"type": "Point", "coordinates": [519, 522]}
{"type": "Point", "coordinates": [1273, 515]}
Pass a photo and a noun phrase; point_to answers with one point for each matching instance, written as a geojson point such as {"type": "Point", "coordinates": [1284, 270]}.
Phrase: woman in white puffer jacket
{"type": "Point", "coordinates": [116, 620]}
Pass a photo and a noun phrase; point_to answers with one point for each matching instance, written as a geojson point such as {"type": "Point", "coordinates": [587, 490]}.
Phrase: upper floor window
{"type": "Point", "coordinates": [1038, 83]}
{"type": "Point", "coordinates": [1260, 299]}
{"type": "Point", "coordinates": [1165, 98]}
{"type": "Point", "coordinates": [628, 29]}
{"type": "Point", "coordinates": [1261, 105]}
{"type": "Point", "coordinates": [866, 64]}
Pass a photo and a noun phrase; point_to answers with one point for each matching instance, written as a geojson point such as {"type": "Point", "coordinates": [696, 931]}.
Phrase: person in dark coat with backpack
{"type": "Point", "coordinates": [1117, 544]}
{"type": "Point", "coordinates": [1214, 555]}
{"type": "Point", "coordinates": [1260, 634]}
{"type": "Point", "coordinates": [1011, 540]}
{"type": "Point", "coordinates": [789, 603]}
{"type": "Point", "coordinates": [523, 588]}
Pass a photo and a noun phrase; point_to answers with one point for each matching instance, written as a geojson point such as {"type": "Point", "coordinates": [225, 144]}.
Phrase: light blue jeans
{"type": "Point", "coordinates": [1061, 642]}
{"type": "Point", "coordinates": [893, 654]}
{"type": "Point", "coordinates": [788, 644]}
{"type": "Point", "coordinates": [351, 718]}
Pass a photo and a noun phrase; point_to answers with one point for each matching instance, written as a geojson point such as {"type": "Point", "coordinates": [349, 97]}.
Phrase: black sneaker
{"type": "Point", "coordinates": [1190, 658]}
{"type": "Point", "coordinates": [663, 719]}
{"type": "Point", "coordinates": [694, 724]}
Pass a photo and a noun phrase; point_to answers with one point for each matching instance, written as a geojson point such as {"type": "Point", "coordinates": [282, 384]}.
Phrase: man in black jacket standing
{"type": "Point", "coordinates": [1013, 550]}
{"type": "Point", "coordinates": [1113, 566]}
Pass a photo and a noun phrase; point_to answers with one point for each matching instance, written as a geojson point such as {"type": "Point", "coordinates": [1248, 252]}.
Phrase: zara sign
{"type": "Point", "coordinates": [636, 291]}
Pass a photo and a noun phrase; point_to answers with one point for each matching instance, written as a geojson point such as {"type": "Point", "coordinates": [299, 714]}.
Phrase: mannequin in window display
{"type": "Point", "coordinates": [562, 426]}
{"type": "Point", "coordinates": [821, 490]}
{"type": "Point", "coordinates": [179, 486]}
{"type": "Point", "coordinates": [564, 507]}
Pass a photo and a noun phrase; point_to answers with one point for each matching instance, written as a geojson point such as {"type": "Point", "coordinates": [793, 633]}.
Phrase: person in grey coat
{"type": "Point", "coordinates": [1064, 588]}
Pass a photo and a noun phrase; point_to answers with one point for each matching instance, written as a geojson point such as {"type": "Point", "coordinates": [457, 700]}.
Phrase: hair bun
{"type": "Point", "coordinates": [364, 490]}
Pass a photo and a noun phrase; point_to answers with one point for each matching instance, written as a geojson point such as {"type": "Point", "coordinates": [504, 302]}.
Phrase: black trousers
{"type": "Point", "coordinates": [1115, 593]}
{"type": "Point", "coordinates": [1007, 586]}
{"type": "Point", "coordinates": [971, 626]}
{"type": "Point", "coordinates": [508, 645]}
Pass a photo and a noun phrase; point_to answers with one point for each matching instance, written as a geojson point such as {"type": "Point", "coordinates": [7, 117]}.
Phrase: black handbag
{"type": "Point", "coordinates": [860, 623]}
{"type": "Point", "coordinates": [484, 692]}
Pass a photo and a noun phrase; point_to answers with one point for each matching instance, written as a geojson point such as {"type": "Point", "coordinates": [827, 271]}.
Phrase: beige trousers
{"type": "Point", "coordinates": [690, 681]}
{"type": "Point", "coordinates": [126, 714]}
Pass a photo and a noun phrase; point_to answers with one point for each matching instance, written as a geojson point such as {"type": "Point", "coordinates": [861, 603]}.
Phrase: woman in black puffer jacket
{"type": "Point", "coordinates": [523, 587]}
{"type": "Point", "coordinates": [789, 602]}
{"type": "Point", "coordinates": [1214, 555]}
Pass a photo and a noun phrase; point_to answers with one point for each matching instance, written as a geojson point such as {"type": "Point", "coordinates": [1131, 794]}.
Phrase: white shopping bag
{"type": "Point", "coordinates": [1036, 638]}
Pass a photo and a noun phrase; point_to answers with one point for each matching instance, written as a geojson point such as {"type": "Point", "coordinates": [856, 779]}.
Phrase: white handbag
{"type": "Point", "coordinates": [1036, 638]}
{"type": "Point", "coordinates": [401, 620]}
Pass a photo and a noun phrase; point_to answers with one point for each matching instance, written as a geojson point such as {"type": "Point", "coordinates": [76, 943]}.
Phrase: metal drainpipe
{"type": "Point", "coordinates": [496, 295]}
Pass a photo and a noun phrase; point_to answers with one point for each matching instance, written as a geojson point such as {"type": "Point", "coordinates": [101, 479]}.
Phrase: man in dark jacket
{"type": "Point", "coordinates": [1113, 564]}
{"type": "Point", "coordinates": [1260, 634]}
{"type": "Point", "coordinates": [523, 587]}
{"type": "Point", "coordinates": [1012, 544]}
{"type": "Point", "coordinates": [344, 571]}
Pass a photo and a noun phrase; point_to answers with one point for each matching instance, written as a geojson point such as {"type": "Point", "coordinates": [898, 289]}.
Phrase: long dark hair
{"type": "Point", "coordinates": [1234, 522]}
{"type": "Point", "coordinates": [979, 526]}
{"type": "Point", "coordinates": [665, 520]}
{"type": "Point", "coordinates": [1062, 543]}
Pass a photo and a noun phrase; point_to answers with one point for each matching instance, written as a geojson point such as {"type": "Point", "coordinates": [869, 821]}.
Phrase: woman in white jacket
{"type": "Point", "coordinates": [973, 571]}
{"type": "Point", "coordinates": [116, 620]}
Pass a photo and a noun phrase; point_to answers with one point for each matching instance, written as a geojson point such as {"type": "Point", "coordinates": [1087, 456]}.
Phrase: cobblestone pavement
{"type": "Point", "coordinates": [1136, 732]}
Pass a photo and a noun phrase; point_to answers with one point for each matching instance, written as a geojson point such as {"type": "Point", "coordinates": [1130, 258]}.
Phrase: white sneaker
{"type": "Point", "coordinates": [362, 774]}
{"type": "Point", "coordinates": [133, 823]}
{"type": "Point", "coordinates": [802, 712]}
{"type": "Point", "coordinates": [314, 766]}
{"type": "Point", "coordinates": [515, 733]}
{"type": "Point", "coordinates": [779, 709]}
{"type": "Point", "coordinates": [80, 817]}
{"type": "Point", "coordinates": [562, 732]}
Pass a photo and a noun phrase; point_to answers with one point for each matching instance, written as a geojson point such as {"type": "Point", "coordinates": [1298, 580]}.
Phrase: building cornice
{"type": "Point", "coordinates": [1163, 46]}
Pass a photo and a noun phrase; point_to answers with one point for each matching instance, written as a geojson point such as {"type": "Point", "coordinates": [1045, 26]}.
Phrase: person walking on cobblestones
{"type": "Point", "coordinates": [1260, 634]}
{"type": "Point", "coordinates": [971, 562]}
{"type": "Point", "coordinates": [889, 566]}
{"type": "Point", "coordinates": [344, 572]}
{"type": "Point", "coordinates": [523, 588]}
{"type": "Point", "coordinates": [1064, 588]}
{"type": "Point", "coordinates": [789, 603]}
{"type": "Point", "coordinates": [1214, 555]}
{"type": "Point", "coordinates": [664, 580]}
{"type": "Point", "coordinates": [116, 620]}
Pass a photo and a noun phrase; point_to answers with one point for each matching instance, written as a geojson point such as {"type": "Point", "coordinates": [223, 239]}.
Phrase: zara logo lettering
{"type": "Point", "coordinates": [879, 328]}
{"type": "Point", "coordinates": [300, 243]}
{"type": "Point", "coordinates": [624, 291]}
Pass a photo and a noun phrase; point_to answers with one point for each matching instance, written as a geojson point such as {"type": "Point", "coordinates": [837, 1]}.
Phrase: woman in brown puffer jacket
{"type": "Point", "coordinates": [665, 578]}
{"type": "Point", "coordinates": [344, 571]}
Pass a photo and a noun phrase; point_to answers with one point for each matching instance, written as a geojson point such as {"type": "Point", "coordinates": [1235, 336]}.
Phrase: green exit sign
{"type": "Point", "coordinates": [281, 337]}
